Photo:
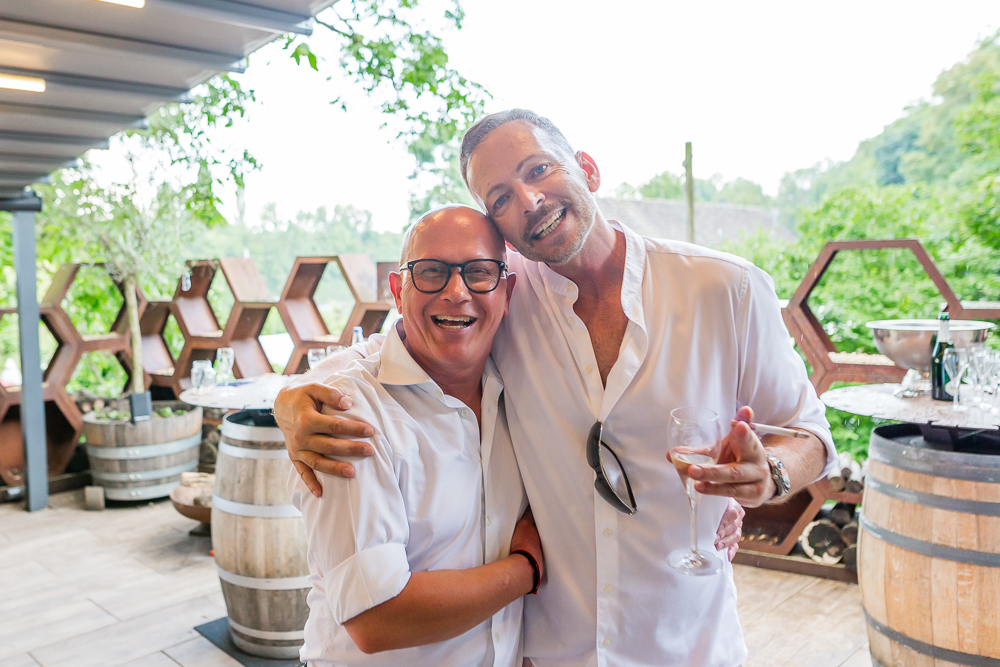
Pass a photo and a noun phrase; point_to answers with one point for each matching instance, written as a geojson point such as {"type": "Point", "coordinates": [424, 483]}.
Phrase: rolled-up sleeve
{"type": "Point", "coordinates": [357, 531]}
{"type": "Point", "coordinates": [774, 379]}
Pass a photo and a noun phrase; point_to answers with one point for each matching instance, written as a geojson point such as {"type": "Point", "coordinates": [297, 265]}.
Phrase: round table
{"type": "Point", "coordinates": [251, 394]}
{"type": "Point", "coordinates": [881, 401]}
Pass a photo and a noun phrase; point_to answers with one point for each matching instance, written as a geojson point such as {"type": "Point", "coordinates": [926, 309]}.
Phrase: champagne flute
{"type": "Point", "coordinates": [225, 359]}
{"type": "Point", "coordinates": [695, 438]}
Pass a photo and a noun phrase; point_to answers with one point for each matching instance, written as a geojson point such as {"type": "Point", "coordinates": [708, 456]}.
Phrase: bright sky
{"type": "Point", "coordinates": [761, 88]}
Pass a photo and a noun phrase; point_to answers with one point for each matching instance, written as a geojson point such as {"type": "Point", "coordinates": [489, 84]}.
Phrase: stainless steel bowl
{"type": "Point", "coordinates": [908, 342]}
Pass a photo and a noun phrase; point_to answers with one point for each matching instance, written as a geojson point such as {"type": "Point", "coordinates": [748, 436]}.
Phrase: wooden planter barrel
{"type": "Point", "coordinates": [929, 553]}
{"type": "Point", "coordinates": [143, 460]}
{"type": "Point", "coordinates": [259, 538]}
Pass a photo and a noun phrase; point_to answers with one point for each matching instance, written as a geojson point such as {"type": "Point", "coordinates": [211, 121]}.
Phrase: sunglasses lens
{"type": "Point", "coordinates": [614, 474]}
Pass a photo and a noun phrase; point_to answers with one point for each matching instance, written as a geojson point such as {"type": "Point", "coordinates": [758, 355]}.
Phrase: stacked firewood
{"type": "Point", "coordinates": [833, 537]}
{"type": "Point", "coordinates": [848, 475]}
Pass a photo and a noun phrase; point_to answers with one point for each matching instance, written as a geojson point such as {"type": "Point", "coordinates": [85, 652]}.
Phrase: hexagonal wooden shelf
{"type": "Point", "coordinates": [301, 315]}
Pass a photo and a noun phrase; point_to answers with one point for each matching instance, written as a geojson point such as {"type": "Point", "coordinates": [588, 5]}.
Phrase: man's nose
{"type": "Point", "coordinates": [529, 197]}
{"type": "Point", "coordinates": [455, 288]}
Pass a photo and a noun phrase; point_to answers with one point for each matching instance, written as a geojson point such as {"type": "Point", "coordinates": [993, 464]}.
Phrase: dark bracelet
{"type": "Point", "coordinates": [537, 573]}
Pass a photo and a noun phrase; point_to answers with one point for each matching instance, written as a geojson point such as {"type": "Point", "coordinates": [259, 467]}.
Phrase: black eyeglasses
{"type": "Point", "coordinates": [612, 482]}
{"type": "Point", "coordinates": [432, 275]}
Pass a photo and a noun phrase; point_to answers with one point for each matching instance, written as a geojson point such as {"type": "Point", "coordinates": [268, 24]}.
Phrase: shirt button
{"type": "Point", "coordinates": [607, 532]}
{"type": "Point", "coordinates": [497, 636]}
{"type": "Point", "coordinates": [466, 413]}
{"type": "Point", "coordinates": [607, 642]}
{"type": "Point", "coordinates": [608, 589]}
{"type": "Point", "coordinates": [588, 368]}
{"type": "Point", "coordinates": [572, 320]}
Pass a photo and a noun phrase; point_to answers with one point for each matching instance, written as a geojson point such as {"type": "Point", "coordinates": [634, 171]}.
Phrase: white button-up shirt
{"type": "Point", "coordinates": [704, 329]}
{"type": "Point", "coordinates": [437, 494]}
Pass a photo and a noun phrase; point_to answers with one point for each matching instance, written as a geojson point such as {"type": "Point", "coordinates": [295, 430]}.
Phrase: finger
{"type": "Point", "coordinates": [730, 473]}
{"type": "Point", "coordinates": [327, 446]}
{"type": "Point", "coordinates": [732, 551]}
{"type": "Point", "coordinates": [727, 541]}
{"type": "Point", "coordinates": [331, 396]}
{"type": "Point", "coordinates": [317, 422]}
{"type": "Point", "coordinates": [308, 478]}
{"type": "Point", "coordinates": [327, 466]}
{"type": "Point", "coordinates": [745, 414]}
{"type": "Point", "coordinates": [750, 495]}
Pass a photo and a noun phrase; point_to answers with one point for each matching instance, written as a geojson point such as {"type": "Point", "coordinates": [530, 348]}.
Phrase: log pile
{"type": "Point", "coordinates": [849, 475]}
{"type": "Point", "coordinates": [833, 537]}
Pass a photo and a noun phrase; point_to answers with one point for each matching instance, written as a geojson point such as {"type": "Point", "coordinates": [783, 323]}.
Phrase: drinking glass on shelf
{"type": "Point", "coordinates": [198, 367]}
{"type": "Point", "coordinates": [956, 364]}
{"type": "Point", "coordinates": [225, 357]}
{"type": "Point", "coordinates": [315, 355]}
{"type": "Point", "coordinates": [333, 349]}
{"type": "Point", "coordinates": [695, 438]}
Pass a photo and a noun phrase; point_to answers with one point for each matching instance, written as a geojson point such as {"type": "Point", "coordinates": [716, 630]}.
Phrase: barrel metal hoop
{"type": "Point", "coordinates": [953, 465]}
{"type": "Point", "coordinates": [267, 634]}
{"type": "Point", "coordinates": [142, 475]}
{"type": "Point", "coordinates": [144, 451]}
{"type": "Point", "coordinates": [979, 507]}
{"type": "Point", "coordinates": [931, 549]}
{"type": "Point", "coordinates": [260, 511]}
{"type": "Point", "coordinates": [252, 433]}
{"type": "Point", "coordinates": [936, 652]}
{"type": "Point", "coordinates": [247, 453]}
{"type": "Point", "coordinates": [139, 493]}
{"type": "Point", "coordinates": [261, 584]}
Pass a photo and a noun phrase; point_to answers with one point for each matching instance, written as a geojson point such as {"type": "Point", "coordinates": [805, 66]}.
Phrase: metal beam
{"type": "Point", "coordinates": [239, 14]}
{"type": "Point", "coordinates": [108, 85]}
{"type": "Point", "coordinates": [57, 139]}
{"type": "Point", "coordinates": [59, 38]}
{"type": "Point", "coordinates": [12, 179]}
{"type": "Point", "coordinates": [32, 400]}
{"type": "Point", "coordinates": [62, 113]}
{"type": "Point", "coordinates": [50, 162]}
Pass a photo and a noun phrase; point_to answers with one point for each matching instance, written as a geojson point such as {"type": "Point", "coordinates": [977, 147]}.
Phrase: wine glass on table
{"type": "Point", "coordinates": [224, 360]}
{"type": "Point", "coordinates": [314, 356]}
{"type": "Point", "coordinates": [695, 438]}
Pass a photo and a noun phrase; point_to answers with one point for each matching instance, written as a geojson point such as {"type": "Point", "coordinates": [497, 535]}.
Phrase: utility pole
{"type": "Point", "coordinates": [689, 190]}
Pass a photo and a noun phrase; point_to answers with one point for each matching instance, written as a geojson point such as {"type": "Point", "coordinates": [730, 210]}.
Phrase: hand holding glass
{"type": "Point", "coordinates": [695, 438]}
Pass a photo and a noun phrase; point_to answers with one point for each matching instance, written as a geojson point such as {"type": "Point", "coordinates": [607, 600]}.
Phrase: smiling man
{"type": "Point", "coordinates": [422, 560]}
{"type": "Point", "coordinates": [607, 333]}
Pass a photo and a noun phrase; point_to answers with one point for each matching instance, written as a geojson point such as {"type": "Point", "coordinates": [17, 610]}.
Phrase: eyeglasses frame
{"type": "Point", "coordinates": [594, 444]}
{"type": "Point", "coordinates": [461, 270]}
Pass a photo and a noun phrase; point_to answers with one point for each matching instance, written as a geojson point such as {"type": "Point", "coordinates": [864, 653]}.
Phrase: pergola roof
{"type": "Point", "coordinates": [107, 66]}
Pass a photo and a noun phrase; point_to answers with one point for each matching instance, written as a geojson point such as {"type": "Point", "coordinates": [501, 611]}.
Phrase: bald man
{"type": "Point", "coordinates": [422, 559]}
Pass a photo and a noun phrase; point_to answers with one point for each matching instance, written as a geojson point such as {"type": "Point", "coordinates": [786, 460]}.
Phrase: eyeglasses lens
{"type": "Point", "coordinates": [432, 275]}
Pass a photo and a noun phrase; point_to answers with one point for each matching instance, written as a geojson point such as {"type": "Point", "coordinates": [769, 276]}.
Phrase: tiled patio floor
{"type": "Point", "coordinates": [127, 586]}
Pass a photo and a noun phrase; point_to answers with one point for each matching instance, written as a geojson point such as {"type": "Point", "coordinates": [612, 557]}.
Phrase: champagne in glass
{"type": "Point", "coordinates": [695, 438]}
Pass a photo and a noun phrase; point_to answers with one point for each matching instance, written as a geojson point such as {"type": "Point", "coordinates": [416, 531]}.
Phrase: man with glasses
{"type": "Point", "coordinates": [421, 560]}
{"type": "Point", "coordinates": [607, 333]}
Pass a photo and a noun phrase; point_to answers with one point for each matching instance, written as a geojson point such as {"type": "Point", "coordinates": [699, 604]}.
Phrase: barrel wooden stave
{"type": "Point", "coordinates": [943, 603]}
{"type": "Point", "coordinates": [148, 465]}
{"type": "Point", "coordinates": [272, 548]}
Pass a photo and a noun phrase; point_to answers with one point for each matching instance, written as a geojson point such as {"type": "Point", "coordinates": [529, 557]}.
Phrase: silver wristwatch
{"type": "Point", "coordinates": [782, 484]}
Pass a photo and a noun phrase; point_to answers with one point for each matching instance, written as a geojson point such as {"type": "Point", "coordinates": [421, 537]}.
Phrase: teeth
{"type": "Point", "coordinates": [448, 318]}
{"type": "Point", "coordinates": [453, 322]}
{"type": "Point", "coordinates": [550, 225]}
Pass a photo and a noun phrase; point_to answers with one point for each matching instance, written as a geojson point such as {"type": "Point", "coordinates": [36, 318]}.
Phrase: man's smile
{"type": "Point", "coordinates": [549, 224]}
{"type": "Point", "coordinates": [453, 322]}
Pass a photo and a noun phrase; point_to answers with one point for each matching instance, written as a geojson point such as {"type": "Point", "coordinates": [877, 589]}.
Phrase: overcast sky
{"type": "Point", "coordinates": [761, 88]}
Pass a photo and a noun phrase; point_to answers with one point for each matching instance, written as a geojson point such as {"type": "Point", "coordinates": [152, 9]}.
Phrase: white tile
{"type": "Point", "coordinates": [130, 640]}
{"type": "Point", "coordinates": [200, 652]}
{"type": "Point", "coordinates": [158, 591]}
{"type": "Point", "coordinates": [154, 660]}
{"type": "Point", "coordinates": [23, 660]}
{"type": "Point", "coordinates": [34, 626]}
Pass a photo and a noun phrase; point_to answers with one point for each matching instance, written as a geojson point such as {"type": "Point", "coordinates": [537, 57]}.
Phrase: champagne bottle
{"type": "Point", "coordinates": [939, 375]}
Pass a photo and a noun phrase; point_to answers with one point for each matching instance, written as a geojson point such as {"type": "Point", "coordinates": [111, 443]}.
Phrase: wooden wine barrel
{"type": "Point", "coordinates": [143, 460]}
{"type": "Point", "coordinates": [259, 538]}
{"type": "Point", "coordinates": [929, 552]}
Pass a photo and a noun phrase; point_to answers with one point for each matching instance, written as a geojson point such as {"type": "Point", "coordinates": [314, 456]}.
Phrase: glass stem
{"type": "Point", "coordinates": [693, 498]}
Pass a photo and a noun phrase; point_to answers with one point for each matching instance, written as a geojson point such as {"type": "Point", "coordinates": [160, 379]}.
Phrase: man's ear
{"type": "Point", "coordinates": [511, 279]}
{"type": "Point", "coordinates": [396, 287]}
{"type": "Point", "coordinates": [590, 168]}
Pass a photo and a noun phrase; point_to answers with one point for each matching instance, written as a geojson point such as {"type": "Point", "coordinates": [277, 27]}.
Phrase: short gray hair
{"type": "Point", "coordinates": [485, 125]}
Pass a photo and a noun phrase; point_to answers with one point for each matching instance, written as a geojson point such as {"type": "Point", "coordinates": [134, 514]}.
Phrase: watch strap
{"type": "Point", "coordinates": [782, 484]}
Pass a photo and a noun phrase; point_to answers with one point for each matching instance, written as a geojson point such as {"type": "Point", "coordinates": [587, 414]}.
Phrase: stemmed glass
{"type": "Point", "coordinates": [956, 363]}
{"type": "Point", "coordinates": [695, 438]}
{"type": "Point", "coordinates": [224, 360]}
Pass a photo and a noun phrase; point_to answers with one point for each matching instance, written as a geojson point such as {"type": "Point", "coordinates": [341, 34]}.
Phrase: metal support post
{"type": "Point", "coordinates": [32, 401]}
